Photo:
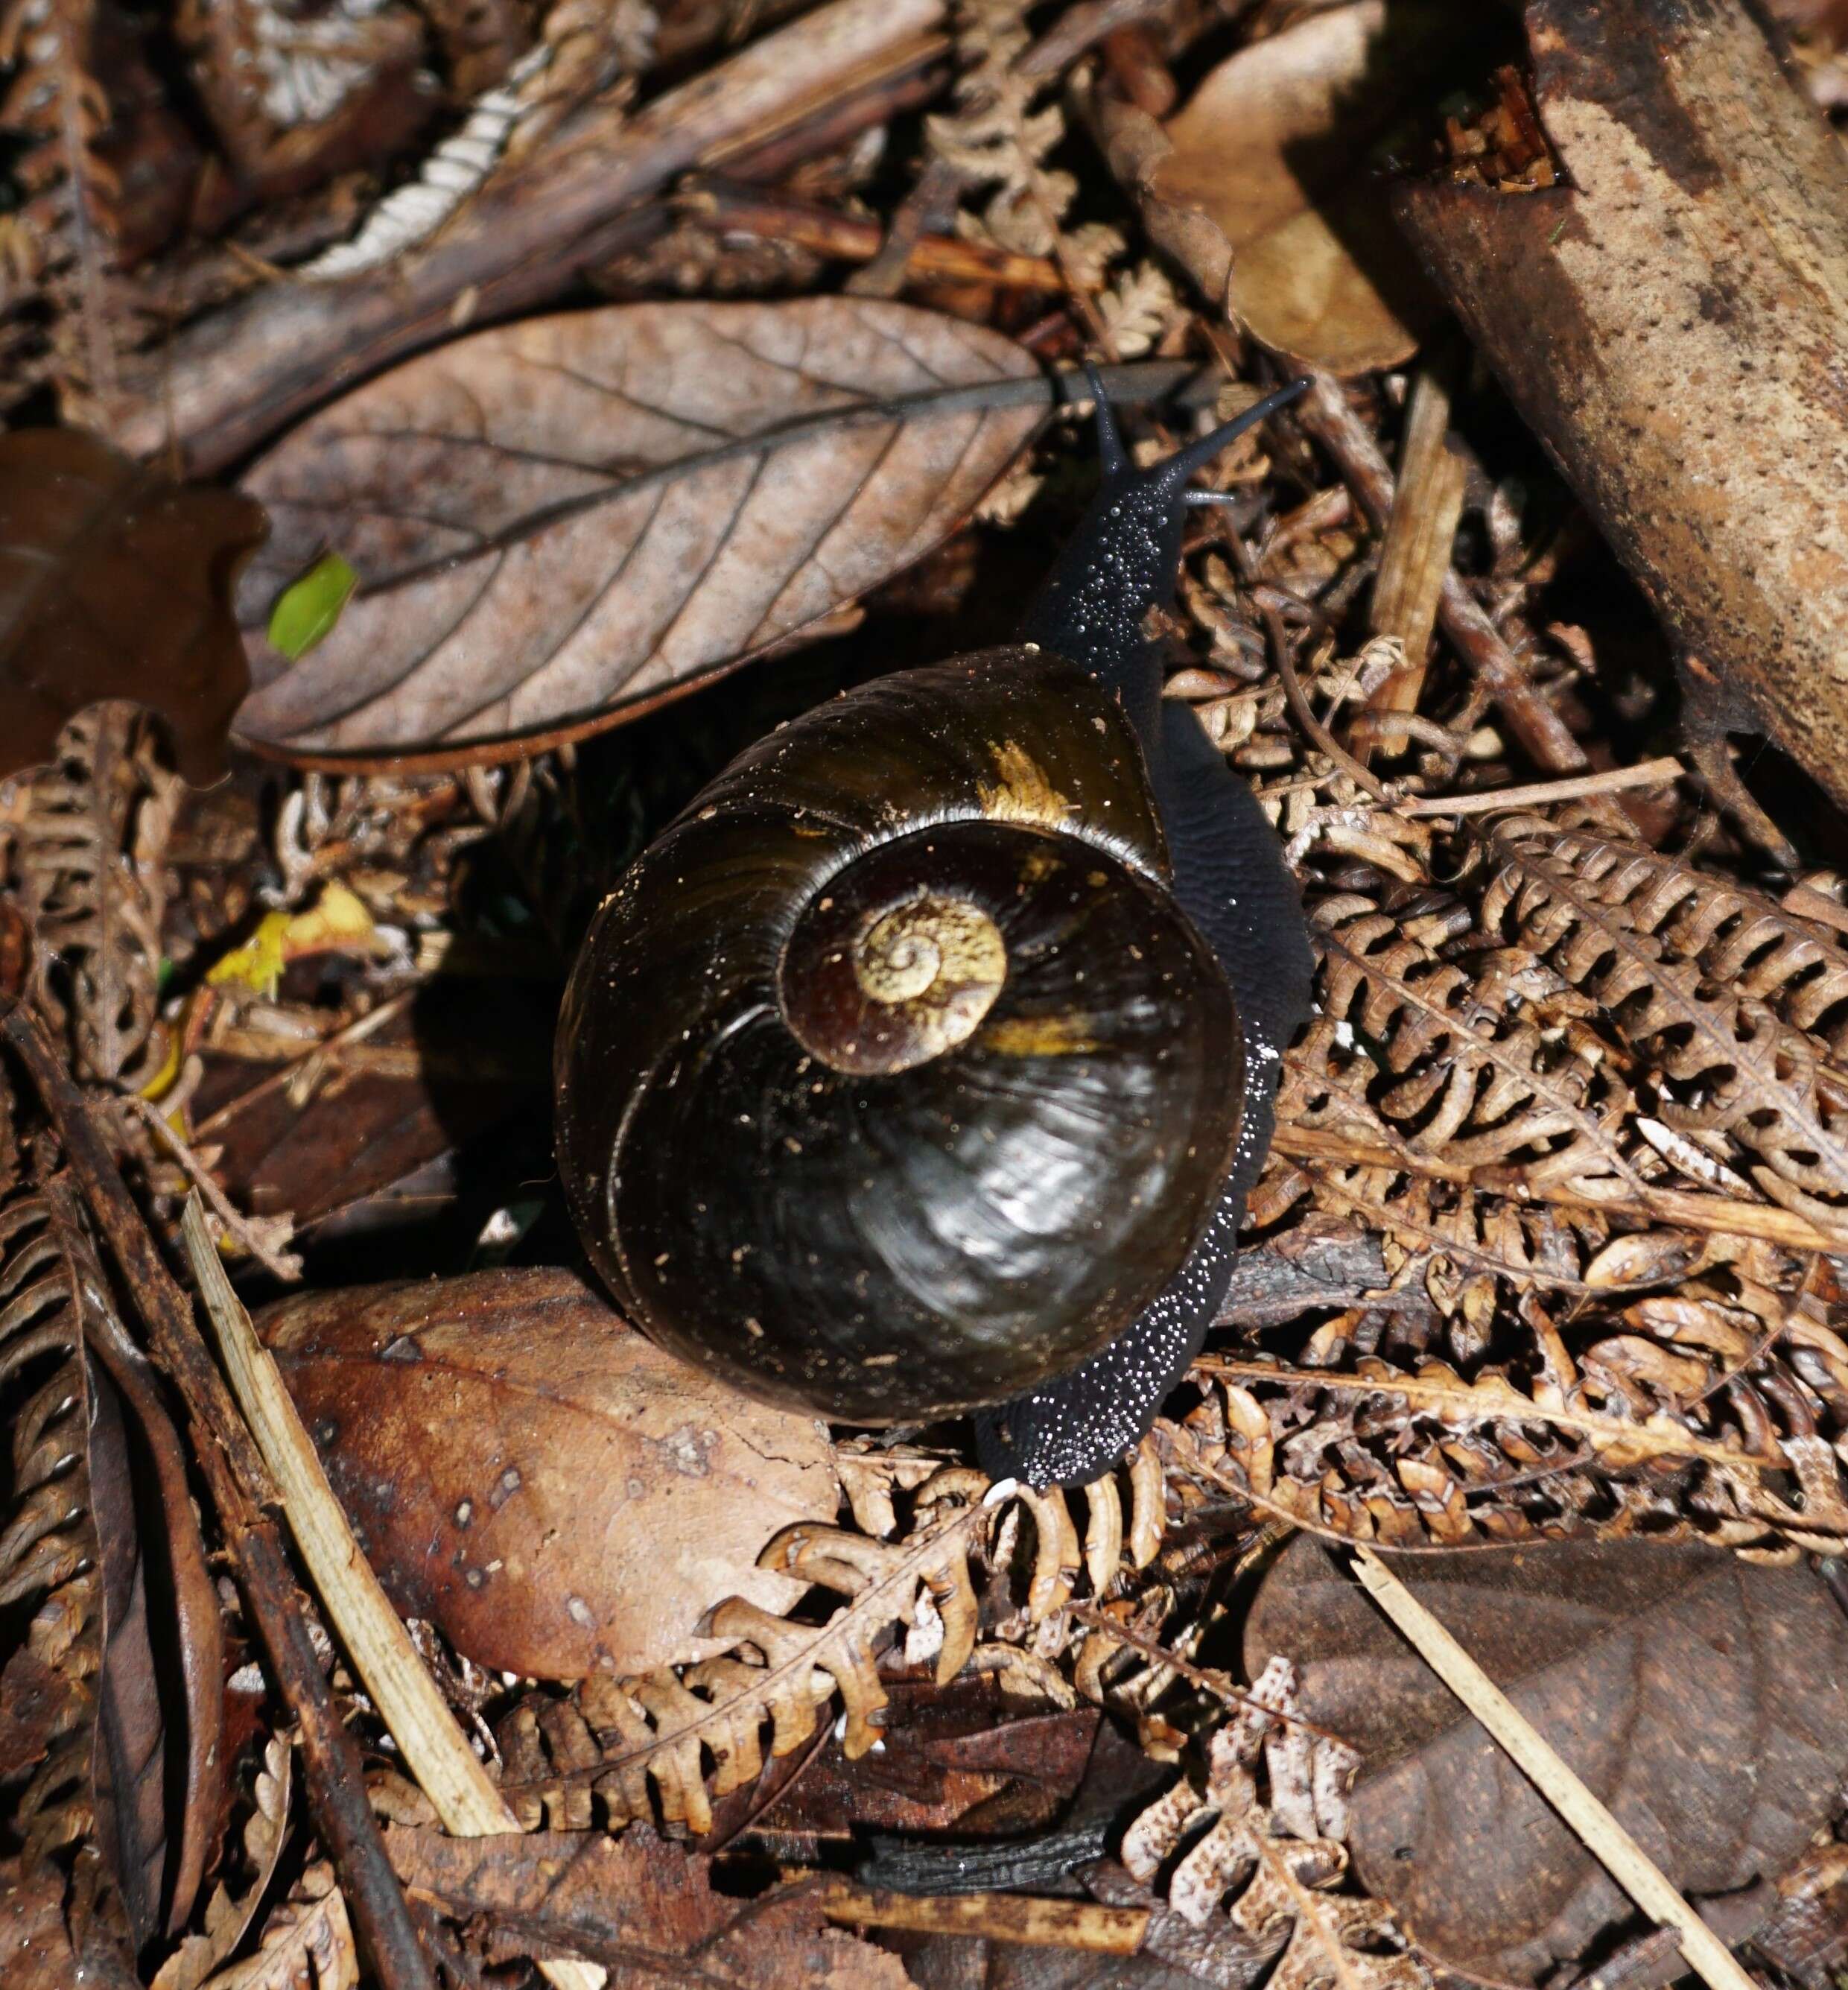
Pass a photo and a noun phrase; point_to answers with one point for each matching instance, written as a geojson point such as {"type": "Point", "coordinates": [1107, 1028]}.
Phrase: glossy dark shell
{"type": "Point", "coordinates": [884, 1246]}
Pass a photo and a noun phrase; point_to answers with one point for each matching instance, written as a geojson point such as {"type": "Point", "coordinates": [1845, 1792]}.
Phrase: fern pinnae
{"type": "Point", "coordinates": [410, 215]}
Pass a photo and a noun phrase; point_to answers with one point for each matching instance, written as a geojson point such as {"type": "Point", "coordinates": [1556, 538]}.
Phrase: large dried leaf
{"type": "Point", "coordinates": [115, 583]}
{"type": "Point", "coordinates": [1703, 1699]}
{"type": "Point", "coordinates": [527, 1472]}
{"type": "Point", "coordinates": [559, 520]}
{"type": "Point", "coordinates": [645, 1909]}
{"type": "Point", "coordinates": [1270, 148]}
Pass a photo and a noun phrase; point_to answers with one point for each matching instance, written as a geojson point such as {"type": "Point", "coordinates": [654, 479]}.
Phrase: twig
{"type": "Point", "coordinates": [1325, 414]}
{"type": "Point", "coordinates": [240, 1488]}
{"type": "Point", "coordinates": [729, 209]}
{"type": "Point", "coordinates": [1602, 1835]}
{"type": "Point", "coordinates": [1207, 1679]}
{"type": "Point", "coordinates": [1045, 1924]}
{"type": "Point", "coordinates": [1318, 733]}
{"type": "Point", "coordinates": [434, 1751]}
{"type": "Point", "coordinates": [1541, 794]}
{"type": "Point", "coordinates": [1080, 27]}
{"type": "Point", "coordinates": [1415, 552]}
{"type": "Point", "coordinates": [248, 1232]}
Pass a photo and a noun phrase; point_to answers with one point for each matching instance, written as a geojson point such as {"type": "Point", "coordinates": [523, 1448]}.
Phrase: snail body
{"type": "Point", "coordinates": [923, 1063]}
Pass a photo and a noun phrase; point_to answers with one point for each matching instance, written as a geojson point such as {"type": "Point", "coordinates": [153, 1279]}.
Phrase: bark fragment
{"type": "Point", "coordinates": [1668, 322]}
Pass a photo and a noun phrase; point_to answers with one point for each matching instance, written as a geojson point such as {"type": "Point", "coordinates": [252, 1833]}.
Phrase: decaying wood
{"type": "Point", "coordinates": [225, 384]}
{"type": "Point", "coordinates": [1669, 321]}
{"type": "Point", "coordinates": [241, 1490]}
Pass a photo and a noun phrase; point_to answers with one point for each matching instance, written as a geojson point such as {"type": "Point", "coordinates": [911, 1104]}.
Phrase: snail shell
{"type": "Point", "coordinates": [891, 1080]}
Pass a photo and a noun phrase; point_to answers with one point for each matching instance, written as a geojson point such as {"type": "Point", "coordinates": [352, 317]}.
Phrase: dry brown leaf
{"type": "Point", "coordinates": [529, 1474]}
{"type": "Point", "coordinates": [307, 1943]}
{"type": "Point", "coordinates": [1270, 148]}
{"type": "Point", "coordinates": [645, 1909]}
{"type": "Point", "coordinates": [1703, 1698]}
{"type": "Point", "coordinates": [115, 583]}
{"type": "Point", "coordinates": [575, 516]}
{"type": "Point", "coordinates": [227, 1916]}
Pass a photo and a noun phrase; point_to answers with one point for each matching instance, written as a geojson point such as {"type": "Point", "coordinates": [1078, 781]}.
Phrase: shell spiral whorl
{"type": "Point", "coordinates": [891, 1080]}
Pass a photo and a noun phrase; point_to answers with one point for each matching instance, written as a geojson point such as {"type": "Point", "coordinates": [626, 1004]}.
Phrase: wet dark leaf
{"type": "Point", "coordinates": [115, 583]}
{"type": "Point", "coordinates": [1703, 1698]}
{"type": "Point", "coordinates": [528, 1473]}
{"type": "Point", "coordinates": [558, 520]}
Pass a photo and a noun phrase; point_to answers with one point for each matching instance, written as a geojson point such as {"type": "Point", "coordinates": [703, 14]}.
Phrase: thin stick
{"type": "Point", "coordinates": [1207, 1679]}
{"type": "Point", "coordinates": [1046, 1923]}
{"type": "Point", "coordinates": [246, 1232]}
{"type": "Point", "coordinates": [1603, 1836]}
{"type": "Point", "coordinates": [432, 1745]}
{"type": "Point", "coordinates": [1540, 794]}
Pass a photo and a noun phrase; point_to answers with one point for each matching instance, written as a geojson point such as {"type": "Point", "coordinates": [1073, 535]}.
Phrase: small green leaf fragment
{"type": "Point", "coordinates": [307, 609]}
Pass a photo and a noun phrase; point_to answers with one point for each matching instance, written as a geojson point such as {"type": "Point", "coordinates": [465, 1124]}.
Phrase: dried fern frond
{"type": "Point", "coordinates": [89, 855]}
{"type": "Point", "coordinates": [583, 49]}
{"type": "Point", "coordinates": [61, 255]}
{"type": "Point", "coordinates": [49, 1562]}
{"type": "Point", "coordinates": [1284, 1855]}
{"type": "Point", "coordinates": [1680, 1408]}
{"type": "Point", "coordinates": [618, 1740]}
{"type": "Point", "coordinates": [996, 140]}
{"type": "Point", "coordinates": [1736, 1008]}
{"type": "Point", "coordinates": [227, 1914]}
{"type": "Point", "coordinates": [306, 1941]}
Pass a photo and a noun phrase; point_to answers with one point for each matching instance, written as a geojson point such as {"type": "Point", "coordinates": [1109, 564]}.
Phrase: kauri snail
{"type": "Point", "coordinates": [923, 1065]}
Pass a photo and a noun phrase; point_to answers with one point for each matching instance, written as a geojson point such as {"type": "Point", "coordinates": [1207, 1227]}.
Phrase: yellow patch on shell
{"type": "Point", "coordinates": [1022, 793]}
{"type": "Point", "coordinates": [1041, 1036]}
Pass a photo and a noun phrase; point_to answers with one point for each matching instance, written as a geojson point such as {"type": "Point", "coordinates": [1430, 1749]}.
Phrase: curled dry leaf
{"type": "Point", "coordinates": [307, 1943]}
{"type": "Point", "coordinates": [644, 1908]}
{"type": "Point", "coordinates": [115, 583]}
{"type": "Point", "coordinates": [1703, 1699]}
{"type": "Point", "coordinates": [1270, 148]}
{"type": "Point", "coordinates": [531, 1474]}
{"type": "Point", "coordinates": [557, 522]}
{"type": "Point", "coordinates": [227, 1915]}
